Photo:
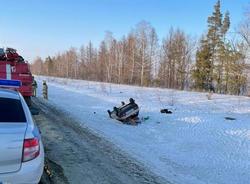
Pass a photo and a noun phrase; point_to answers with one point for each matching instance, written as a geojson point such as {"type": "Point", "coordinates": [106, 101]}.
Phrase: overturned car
{"type": "Point", "coordinates": [126, 112]}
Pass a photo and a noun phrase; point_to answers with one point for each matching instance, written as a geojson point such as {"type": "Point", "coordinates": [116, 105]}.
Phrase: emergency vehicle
{"type": "Point", "coordinates": [14, 67]}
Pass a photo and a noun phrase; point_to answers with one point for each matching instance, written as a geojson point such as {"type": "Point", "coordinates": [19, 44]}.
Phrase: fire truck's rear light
{"type": "Point", "coordinates": [10, 83]}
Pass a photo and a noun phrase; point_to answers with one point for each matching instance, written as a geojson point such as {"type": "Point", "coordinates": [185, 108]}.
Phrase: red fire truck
{"type": "Point", "coordinates": [14, 67]}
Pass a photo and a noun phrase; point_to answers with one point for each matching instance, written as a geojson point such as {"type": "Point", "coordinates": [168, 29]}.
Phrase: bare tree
{"type": "Point", "coordinates": [176, 58]}
{"type": "Point", "coordinates": [244, 28]}
{"type": "Point", "coordinates": [37, 66]}
{"type": "Point", "coordinates": [134, 59]}
{"type": "Point", "coordinates": [146, 43]}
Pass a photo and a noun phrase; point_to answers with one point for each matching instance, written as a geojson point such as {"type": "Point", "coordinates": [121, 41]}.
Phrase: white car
{"type": "Point", "coordinates": [21, 148]}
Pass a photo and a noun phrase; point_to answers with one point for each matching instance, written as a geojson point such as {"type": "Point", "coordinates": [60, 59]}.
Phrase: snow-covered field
{"type": "Point", "coordinates": [194, 145]}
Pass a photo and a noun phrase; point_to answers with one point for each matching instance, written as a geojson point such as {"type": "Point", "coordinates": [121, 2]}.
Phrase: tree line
{"type": "Point", "coordinates": [215, 62]}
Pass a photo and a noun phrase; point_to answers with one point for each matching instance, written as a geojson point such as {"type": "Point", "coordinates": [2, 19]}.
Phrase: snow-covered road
{"type": "Point", "coordinates": [194, 145]}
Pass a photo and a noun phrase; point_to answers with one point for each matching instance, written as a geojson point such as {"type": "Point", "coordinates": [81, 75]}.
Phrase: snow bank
{"type": "Point", "coordinates": [194, 145]}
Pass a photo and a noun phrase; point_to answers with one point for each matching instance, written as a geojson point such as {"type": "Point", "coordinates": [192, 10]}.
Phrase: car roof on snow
{"type": "Point", "coordinates": [7, 93]}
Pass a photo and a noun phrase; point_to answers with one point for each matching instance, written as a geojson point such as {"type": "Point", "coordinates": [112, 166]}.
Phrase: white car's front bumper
{"type": "Point", "coordinates": [30, 172]}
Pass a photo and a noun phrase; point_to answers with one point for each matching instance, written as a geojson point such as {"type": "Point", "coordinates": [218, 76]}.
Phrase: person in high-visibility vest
{"type": "Point", "coordinates": [45, 90]}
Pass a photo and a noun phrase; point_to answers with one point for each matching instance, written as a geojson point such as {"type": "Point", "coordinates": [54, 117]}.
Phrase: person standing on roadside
{"type": "Point", "coordinates": [34, 87]}
{"type": "Point", "coordinates": [45, 90]}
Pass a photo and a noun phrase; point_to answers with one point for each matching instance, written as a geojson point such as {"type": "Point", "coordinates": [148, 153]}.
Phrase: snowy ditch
{"type": "Point", "coordinates": [194, 145]}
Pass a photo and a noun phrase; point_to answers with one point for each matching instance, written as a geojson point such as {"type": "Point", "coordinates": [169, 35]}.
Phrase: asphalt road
{"type": "Point", "coordinates": [74, 154]}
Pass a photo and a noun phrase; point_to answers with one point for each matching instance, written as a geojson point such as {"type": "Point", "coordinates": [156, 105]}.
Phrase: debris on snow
{"type": "Point", "coordinates": [166, 111]}
{"type": "Point", "coordinates": [230, 118]}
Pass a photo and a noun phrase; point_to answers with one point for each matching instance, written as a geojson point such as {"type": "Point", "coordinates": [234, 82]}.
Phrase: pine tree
{"type": "Point", "coordinates": [226, 24]}
{"type": "Point", "coordinates": [214, 27]}
{"type": "Point", "coordinates": [202, 73]}
{"type": "Point", "coordinates": [213, 53]}
{"type": "Point", "coordinates": [214, 38]}
{"type": "Point", "coordinates": [222, 55]}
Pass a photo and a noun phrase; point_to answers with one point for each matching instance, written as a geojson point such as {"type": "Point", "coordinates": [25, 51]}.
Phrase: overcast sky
{"type": "Point", "coordinates": [45, 27]}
